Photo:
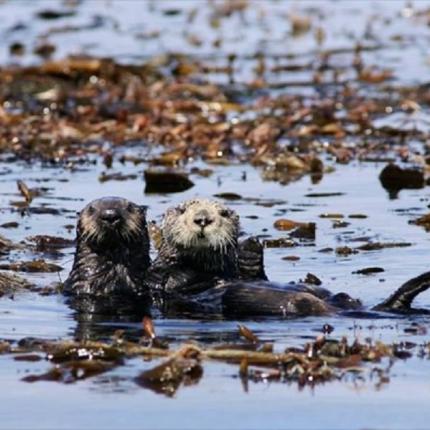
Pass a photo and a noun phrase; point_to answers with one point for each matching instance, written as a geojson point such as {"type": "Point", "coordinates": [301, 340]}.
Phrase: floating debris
{"type": "Point", "coordinates": [279, 243]}
{"type": "Point", "coordinates": [248, 334]}
{"type": "Point", "coordinates": [104, 177]}
{"type": "Point", "coordinates": [423, 221]}
{"type": "Point", "coordinates": [291, 258]}
{"type": "Point", "coordinates": [31, 266]}
{"type": "Point", "coordinates": [394, 178]}
{"type": "Point", "coordinates": [318, 195]}
{"type": "Point", "coordinates": [312, 279]}
{"type": "Point", "coordinates": [166, 182]}
{"type": "Point", "coordinates": [11, 283]}
{"type": "Point", "coordinates": [319, 361]}
{"type": "Point", "coordinates": [228, 196]}
{"type": "Point", "coordinates": [376, 246]}
{"type": "Point", "coordinates": [46, 243]}
{"type": "Point", "coordinates": [300, 229]}
{"type": "Point", "coordinates": [345, 251]}
{"type": "Point", "coordinates": [11, 224]}
{"type": "Point", "coordinates": [369, 271]}
{"type": "Point", "coordinates": [51, 14]}
{"type": "Point", "coordinates": [71, 371]}
{"type": "Point", "coordinates": [182, 368]}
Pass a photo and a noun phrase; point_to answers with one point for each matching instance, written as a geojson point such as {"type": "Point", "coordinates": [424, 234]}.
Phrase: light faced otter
{"type": "Point", "coordinates": [111, 258]}
{"type": "Point", "coordinates": [201, 269]}
{"type": "Point", "coordinates": [200, 246]}
{"type": "Point", "coordinates": [202, 234]}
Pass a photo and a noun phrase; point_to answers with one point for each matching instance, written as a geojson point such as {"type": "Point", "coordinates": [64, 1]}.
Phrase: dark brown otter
{"type": "Point", "coordinates": [111, 258]}
{"type": "Point", "coordinates": [262, 298]}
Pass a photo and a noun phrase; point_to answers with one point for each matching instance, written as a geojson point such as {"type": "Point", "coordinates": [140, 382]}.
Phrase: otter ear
{"type": "Point", "coordinates": [233, 215]}
{"type": "Point", "coordinates": [180, 209]}
{"type": "Point", "coordinates": [228, 213]}
{"type": "Point", "coordinates": [236, 219]}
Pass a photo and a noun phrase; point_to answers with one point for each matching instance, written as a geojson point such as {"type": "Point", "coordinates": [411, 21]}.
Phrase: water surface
{"type": "Point", "coordinates": [220, 400]}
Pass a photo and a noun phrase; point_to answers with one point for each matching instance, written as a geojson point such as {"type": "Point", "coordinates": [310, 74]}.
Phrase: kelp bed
{"type": "Point", "coordinates": [319, 361]}
{"type": "Point", "coordinates": [182, 107]}
{"type": "Point", "coordinates": [64, 112]}
{"type": "Point", "coordinates": [185, 104]}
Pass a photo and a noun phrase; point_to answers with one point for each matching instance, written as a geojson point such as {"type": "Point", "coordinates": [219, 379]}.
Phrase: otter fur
{"type": "Point", "coordinates": [202, 269]}
{"type": "Point", "coordinates": [111, 258]}
{"type": "Point", "coordinates": [200, 246]}
{"type": "Point", "coordinates": [203, 234]}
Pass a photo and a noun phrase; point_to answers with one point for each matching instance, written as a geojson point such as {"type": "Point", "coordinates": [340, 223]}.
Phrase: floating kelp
{"type": "Point", "coordinates": [31, 266]}
{"type": "Point", "coordinates": [369, 270]}
{"type": "Point", "coordinates": [292, 115]}
{"type": "Point", "coordinates": [423, 221]}
{"type": "Point", "coordinates": [319, 361]}
{"type": "Point", "coordinates": [11, 283]}
{"type": "Point", "coordinates": [46, 243]}
{"type": "Point", "coordinates": [298, 229]}
{"type": "Point", "coordinates": [394, 178]}
{"type": "Point", "coordinates": [183, 367]}
{"type": "Point", "coordinates": [166, 181]}
{"type": "Point", "coordinates": [76, 106]}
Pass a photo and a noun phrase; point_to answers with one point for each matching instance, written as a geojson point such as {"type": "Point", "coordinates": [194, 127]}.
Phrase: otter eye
{"type": "Point", "coordinates": [91, 210]}
{"type": "Point", "coordinates": [224, 213]}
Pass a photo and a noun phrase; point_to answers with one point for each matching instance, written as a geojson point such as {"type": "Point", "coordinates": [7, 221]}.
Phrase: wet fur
{"type": "Point", "coordinates": [195, 274]}
{"type": "Point", "coordinates": [245, 290]}
{"type": "Point", "coordinates": [110, 261]}
{"type": "Point", "coordinates": [216, 251]}
{"type": "Point", "coordinates": [191, 255]}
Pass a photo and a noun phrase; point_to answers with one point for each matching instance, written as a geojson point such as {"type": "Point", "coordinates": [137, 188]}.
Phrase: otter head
{"type": "Point", "coordinates": [201, 225]}
{"type": "Point", "coordinates": [111, 222]}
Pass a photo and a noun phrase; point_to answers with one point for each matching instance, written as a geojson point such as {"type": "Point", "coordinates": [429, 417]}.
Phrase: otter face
{"type": "Point", "coordinates": [111, 221]}
{"type": "Point", "coordinates": [201, 224]}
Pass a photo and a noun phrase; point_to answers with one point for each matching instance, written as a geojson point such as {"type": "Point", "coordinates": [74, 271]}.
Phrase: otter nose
{"type": "Point", "coordinates": [110, 215]}
{"type": "Point", "coordinates": [202, 219]}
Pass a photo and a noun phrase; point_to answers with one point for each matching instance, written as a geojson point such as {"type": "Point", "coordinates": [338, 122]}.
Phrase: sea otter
{"type": "Point", "coordinates": [201, 268]}
{"type": "Point", "coordinates": [111, 259]}
{"type": "Point", "coordinates": [199, 247]}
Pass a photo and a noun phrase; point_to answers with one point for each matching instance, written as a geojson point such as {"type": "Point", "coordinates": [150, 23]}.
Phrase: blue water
{"type": "Point", "coordinates": [219, 400]}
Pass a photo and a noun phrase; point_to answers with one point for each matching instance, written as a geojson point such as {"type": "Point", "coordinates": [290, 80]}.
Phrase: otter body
{"type": "Point", "coordinates": [261, 298]}
{"type": "Point", "coordinates": [258, 298]}
{"type": "Point", "coordinates": [111, 258]}
{"type": "Point", "coordinates": [202, 269]}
